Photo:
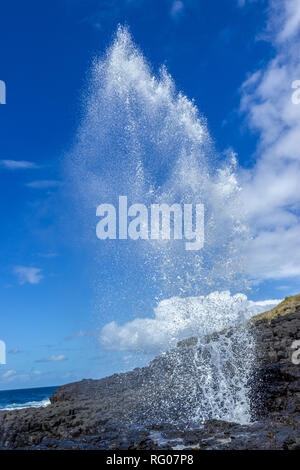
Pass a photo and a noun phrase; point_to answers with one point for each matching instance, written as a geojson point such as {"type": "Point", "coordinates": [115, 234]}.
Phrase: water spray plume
{"type": "Point", "coordinates": [141, 138]}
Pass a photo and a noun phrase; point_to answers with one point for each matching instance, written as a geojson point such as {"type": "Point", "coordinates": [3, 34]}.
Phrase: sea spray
{"type": "Point", "coordinates": [202, 379]}
{"type": "Point", "coordinates": [205, 357]}
{"type": "Point", "coordinates": [142, 139]}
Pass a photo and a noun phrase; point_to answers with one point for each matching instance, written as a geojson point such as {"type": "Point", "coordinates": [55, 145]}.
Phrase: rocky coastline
{"type": "Point", "coordinates": [128, 411]}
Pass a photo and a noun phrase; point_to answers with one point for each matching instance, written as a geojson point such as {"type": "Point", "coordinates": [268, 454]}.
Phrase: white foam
{"type": "Point", "coordinates": [29, 404]}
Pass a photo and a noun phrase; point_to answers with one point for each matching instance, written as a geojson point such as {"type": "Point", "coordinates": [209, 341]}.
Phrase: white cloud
{"type": "Point", "coordinates": [178, 318]}
{"type": "Point", "coordinates": [275, 254]}
{"type": "Point", "coordinates": [285, 18]}
{"type": "Point", "coordinates": [54, 358]}
{"type": "Point", "coordinates": [28, 275]}
{"type": "Point", "coordinates": [11, 375]}
{"type": "Point", "coordinates": [43, 184]}
{"type": "Point", "coordinates": [271, 188]}
{"type": "Point", "coordinates": [17, 164]}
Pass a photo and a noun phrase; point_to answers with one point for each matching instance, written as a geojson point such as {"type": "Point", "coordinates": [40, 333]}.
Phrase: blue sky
{"type": "Point", "coordinates": [236, 59]}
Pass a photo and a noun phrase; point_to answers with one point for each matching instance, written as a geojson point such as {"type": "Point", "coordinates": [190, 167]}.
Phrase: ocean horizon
{"type": "Point", "coordinates": [25, 398]}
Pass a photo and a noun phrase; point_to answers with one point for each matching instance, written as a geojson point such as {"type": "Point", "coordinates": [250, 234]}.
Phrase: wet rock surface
{"type": "Point", "coordinates": [276, 432]}
{"type": "Point", "coordinates": [87, 414]}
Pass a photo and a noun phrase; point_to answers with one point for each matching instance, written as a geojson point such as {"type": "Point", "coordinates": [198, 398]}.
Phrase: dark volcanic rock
{"type": "Point", "coordinates": [134, 410]}
{"type": "Point", "coordinates": [277, 380]}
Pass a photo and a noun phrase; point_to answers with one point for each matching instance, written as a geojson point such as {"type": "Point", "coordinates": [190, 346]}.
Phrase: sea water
{"type": "Point", "coordinates": [25, 398]}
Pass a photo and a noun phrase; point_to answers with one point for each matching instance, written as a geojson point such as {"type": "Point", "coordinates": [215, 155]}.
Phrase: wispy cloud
{"type": "Point", "coordinates": [80, 334]}
{"type": "Point", "coordinates": [28, 274]}
{"type": "Point", "coordinates": [12, 375]}
{"type": "Point", "coordinates": [43, 184]}
{"type": "Point", "coordinates": [17, 164]}
{"type": "Point", "coordinates": [54, 358]}
{"type": "Point", "coordinates": [8, 374]}
{"type": "Point", "coordinates": [285, 19]}
{"type": "Point", "coordinates": [272, 196]}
